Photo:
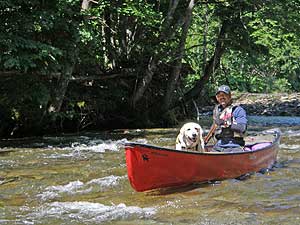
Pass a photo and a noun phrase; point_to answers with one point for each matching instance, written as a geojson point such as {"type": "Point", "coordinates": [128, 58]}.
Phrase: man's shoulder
{"type": "Point", "coordinates": [239, 109]}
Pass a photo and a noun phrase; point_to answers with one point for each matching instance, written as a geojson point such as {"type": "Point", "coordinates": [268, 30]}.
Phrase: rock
{"type": "Point", "coordinates": [278, 104]}
{"type": "Point", "coordinates": [275, 104]}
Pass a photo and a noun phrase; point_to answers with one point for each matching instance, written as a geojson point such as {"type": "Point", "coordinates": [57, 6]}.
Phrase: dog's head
{"type": "Point", "coordinates": [191, 133]}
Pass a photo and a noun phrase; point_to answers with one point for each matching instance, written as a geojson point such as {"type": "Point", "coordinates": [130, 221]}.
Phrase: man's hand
{"type": "Point", "coordinates": [225, 124]}
{"type": "Point", "coordinates": [222, 123]}
{"type": "Point", "coordinates": [219, 122]}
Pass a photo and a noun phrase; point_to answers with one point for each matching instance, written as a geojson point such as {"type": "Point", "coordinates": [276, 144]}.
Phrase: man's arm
{"type": "Point", "coordinates": [210, 133]}
{"type": "Point", "coordinates": [239, 123]}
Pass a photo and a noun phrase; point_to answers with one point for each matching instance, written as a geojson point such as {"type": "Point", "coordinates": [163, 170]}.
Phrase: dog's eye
{"type": "Point", "coordinates": [197, 129]}
{"type": "Point", "coordinates": [189, 129]}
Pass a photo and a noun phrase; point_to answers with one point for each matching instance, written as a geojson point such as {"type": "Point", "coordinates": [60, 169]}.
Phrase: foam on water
{"type": "Point", "coordinates": [76, 149]}
{"type": "Point", "coordinates": [98, 145]}
{"type": "Point", "coordinates": [88, 212]}
{"type": "Point", "coordinates": [292, 133]}
{"type": "Point", "coordinates": [290, 147]}
{"type": "Point", "coordinates": [59, 155]}
{"type": "Point", "coordinates": [78, 187]}
{"type": "Point", "coordinates": [107, 181]}
{"type": "Point", "coordinates": [55, 191]}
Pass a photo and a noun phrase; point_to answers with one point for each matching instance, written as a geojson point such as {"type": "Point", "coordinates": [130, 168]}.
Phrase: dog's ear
{"type": "Point", "coordinates": [200, 131]}
{"type": "Point", "coordinates": [182, 130]}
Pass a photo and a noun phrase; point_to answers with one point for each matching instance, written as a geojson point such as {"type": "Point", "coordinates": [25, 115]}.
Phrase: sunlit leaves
{"type": "Point", "coordinates": [262, 44]}
{"type": "Point", "coordinates": [31, 34]}
{"type": "Point", "coordinates": [81, 104]}
{"type": "Point", "coordinates": [281, 41]}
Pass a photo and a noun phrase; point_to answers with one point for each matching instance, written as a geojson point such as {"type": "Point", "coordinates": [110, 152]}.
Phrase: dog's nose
{"type": "Point", "coordinates": [194, 135]}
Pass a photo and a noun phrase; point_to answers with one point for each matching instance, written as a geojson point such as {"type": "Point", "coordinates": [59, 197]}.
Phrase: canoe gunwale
{"type": "Point", "coordinates": [277, 134]}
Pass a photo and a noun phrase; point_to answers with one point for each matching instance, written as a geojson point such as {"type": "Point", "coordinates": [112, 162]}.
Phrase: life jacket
{"type": "Point", "coordinates": [226, 134]}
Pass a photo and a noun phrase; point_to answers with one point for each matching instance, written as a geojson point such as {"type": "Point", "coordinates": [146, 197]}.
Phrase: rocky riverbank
{"type": "Point", "coordinates": [279, 104]}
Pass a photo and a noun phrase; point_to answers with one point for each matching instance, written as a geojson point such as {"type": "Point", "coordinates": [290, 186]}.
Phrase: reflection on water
{"type": "Point", "coordinates": [81, 179]}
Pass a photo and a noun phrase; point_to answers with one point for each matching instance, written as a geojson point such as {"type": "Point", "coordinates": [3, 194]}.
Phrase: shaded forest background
{"type": "Point", "coordinates": [72, 65]}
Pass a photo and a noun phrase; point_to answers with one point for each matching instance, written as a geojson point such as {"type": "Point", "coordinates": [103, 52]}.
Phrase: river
{"type": "Point", "coordinates": [82, 179]}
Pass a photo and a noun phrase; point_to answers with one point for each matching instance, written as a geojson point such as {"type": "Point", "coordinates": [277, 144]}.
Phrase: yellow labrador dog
{"type": "Point", "coordinates": [190, 137]}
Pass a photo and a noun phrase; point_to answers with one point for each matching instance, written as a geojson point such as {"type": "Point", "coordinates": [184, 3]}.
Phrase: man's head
{"type": "Point", "coordinates": [223, 95]}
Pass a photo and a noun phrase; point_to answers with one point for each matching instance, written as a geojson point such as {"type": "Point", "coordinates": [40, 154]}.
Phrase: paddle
{"type": "Point", "coordinates": [210, 133]}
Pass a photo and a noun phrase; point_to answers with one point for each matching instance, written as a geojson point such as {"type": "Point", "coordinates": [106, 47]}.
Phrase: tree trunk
{"type": "Point", "coordinates": [204, 53]}
{"type": "Point", "coordinates": [108, 39]}
{"type": "Point", "coordinates": [178, 62]}
{"type": "Point", "coordinates": [61, 89]}
{"type": "Point", "coordinates": [210, 68]}
{"type": "Point", "coordinates": [153, 61]}
{"type": "Point", "coordinates": [85, 5]}
{"type": "Point", "coordinates": [58, 94]}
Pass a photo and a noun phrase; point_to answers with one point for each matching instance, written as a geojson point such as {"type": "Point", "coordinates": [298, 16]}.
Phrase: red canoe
{"type": "Point", "coordinates": [151, 167]}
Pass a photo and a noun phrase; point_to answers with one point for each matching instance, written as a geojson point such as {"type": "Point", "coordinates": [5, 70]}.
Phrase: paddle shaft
{"type": "Point", "coordinates": [210, 133]}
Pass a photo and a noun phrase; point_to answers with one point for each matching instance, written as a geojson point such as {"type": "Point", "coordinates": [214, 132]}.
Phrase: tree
{"type": "Point", "coordinates": [129, 62]}
{"type": "Point", "coordinates": [40, 38]}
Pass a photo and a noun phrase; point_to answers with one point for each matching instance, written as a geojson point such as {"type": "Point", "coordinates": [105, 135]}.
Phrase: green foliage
{"type": "Point", "coordinates": [262, 46]}
{"type": "Point", "coordinates": [282, 85]}
{"type": "Point", "coordinates": [27, 102]}
{"type": "Point", "coordinates": [38, 39]}
{"type": "Point", "coordinates": [200, 42]}
{"type": "Point", "coordinates": [81, 104]}
{"type": "Point", "coordinates": [276, 29]}
{"type": "Point", "coordinates": [35, 34]}
{"type": "Point", "coordinates": [25, 55]}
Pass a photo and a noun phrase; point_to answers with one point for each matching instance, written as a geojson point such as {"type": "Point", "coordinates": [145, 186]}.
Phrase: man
{"type": "Point", "coordinates": [231, 122]}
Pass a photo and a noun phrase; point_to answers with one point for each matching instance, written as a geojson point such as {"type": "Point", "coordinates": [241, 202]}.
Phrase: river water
{"type": "Point", "coordinates": [82, 179]}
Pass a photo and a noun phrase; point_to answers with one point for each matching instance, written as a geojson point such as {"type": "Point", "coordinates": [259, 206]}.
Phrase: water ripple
{"type": "Point", "coordinates": [78, 187]}
{"type": "Point", "coordinates": [88, 212]}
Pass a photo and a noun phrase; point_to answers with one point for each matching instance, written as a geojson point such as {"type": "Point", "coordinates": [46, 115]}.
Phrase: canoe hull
{"type": "Point", "coordinates": [150, 167]}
